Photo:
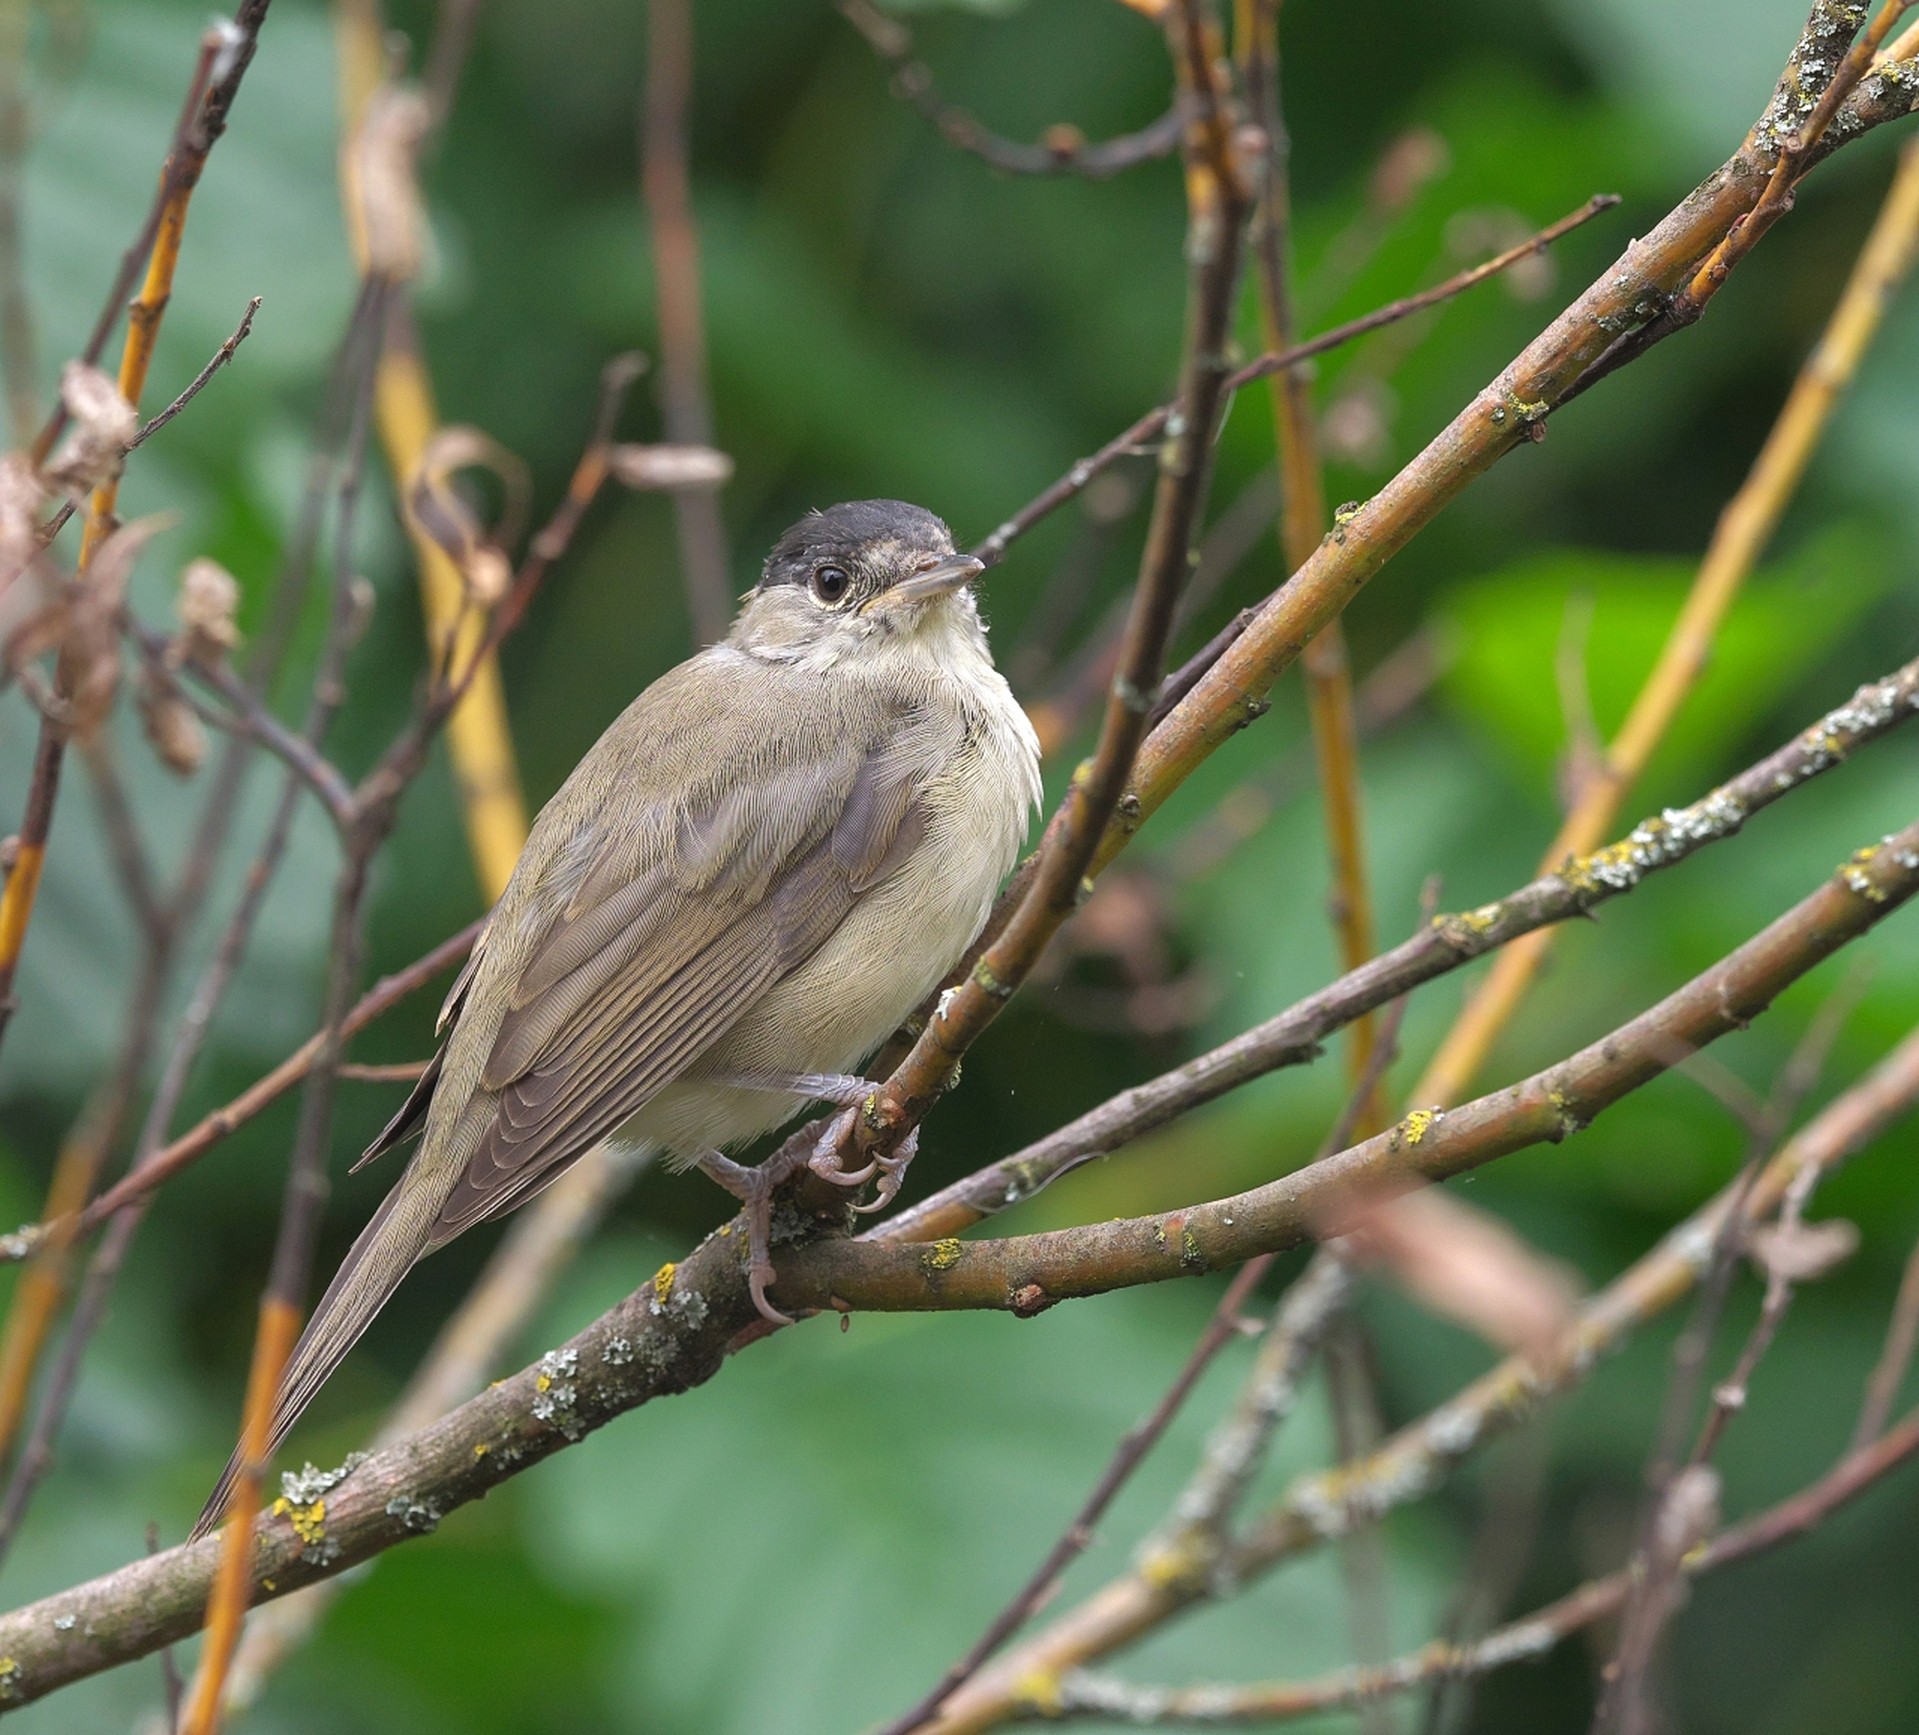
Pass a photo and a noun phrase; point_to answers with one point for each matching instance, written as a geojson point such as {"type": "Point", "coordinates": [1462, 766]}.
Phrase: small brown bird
{"type": "Point", "coordinates": [771, 857]}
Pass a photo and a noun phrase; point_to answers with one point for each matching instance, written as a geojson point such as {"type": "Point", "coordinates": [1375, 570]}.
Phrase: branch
{"type": "Point", "coordinates": [674, 1333]}
{"type": "Point", "coordinates": [1024, 1274]}
{"type": "Point", "coordinates": [1324, 1504]}
{"type": "Point", "coordinates": [1085, 1695]}
{"type": "Point", "coordinates": [1151, 425]}
{"type": "Point", "coordinates": [1509, 412]}
{"type": "Point", "coordinates": [1302, 523]}
{"type": "Point", "coordinates": [1217, 208]}
{"type": "Point", "coordinates": [687, 410]}
{"type": "Point", "coordinates": [1062, 151]}
{"type": "Point", "coordinates": [1745, 527]}
{"type": "Point", "coordinates": [1293, 1037]}
{"type": "Point", "coordinates": [225, 53]}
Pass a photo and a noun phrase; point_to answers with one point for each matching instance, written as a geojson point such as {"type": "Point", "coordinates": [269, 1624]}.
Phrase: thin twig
{"type": "Point", "coordinates": [1217, 206]}
{"type": "Point", "coordinates": [1744, 528]}
{"type": "Point", "coordinates": [1063, 151]}
{"type": "Point", "coordinates": [1302, 522]}
{"type": "Point", "coordinates": [1320, 1505]}
{"type": "Point", "coordinates": [1895, 1358]}
{"type": "Point", "coordinates": [283, 1303]}
{"type": "Point", "coordinates": [1293, 1036]}
{"type": "Point", "coordinates": [1082, 1694]}
{"type": "Point", "coordinates": [1150, 426]}
{"type": "Point", "coordinates": [686, 408]}
{"type": "Point", "coordinates": [1139, 1440]}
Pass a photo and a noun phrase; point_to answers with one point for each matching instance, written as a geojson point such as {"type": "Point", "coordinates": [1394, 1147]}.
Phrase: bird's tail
{"type": "Point", "coordinates": [369, 1274]}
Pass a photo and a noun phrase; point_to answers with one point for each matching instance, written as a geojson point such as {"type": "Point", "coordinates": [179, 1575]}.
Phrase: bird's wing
{"type": "Point", "coordinates": [682, 916]}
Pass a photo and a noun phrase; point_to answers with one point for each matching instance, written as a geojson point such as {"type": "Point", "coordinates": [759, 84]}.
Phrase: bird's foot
{"type": "Point", "coordinates": [891, 1170]}
{"type": "Point", "coordinates": [754, 1184]}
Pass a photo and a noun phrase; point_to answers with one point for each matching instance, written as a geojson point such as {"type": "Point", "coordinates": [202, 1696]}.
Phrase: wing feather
{"type": "Point", "coordinates": [650, 962]}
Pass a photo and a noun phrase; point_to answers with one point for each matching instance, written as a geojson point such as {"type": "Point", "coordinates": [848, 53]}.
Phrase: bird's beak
{"type": "Point", "coordinates": [948, 576]}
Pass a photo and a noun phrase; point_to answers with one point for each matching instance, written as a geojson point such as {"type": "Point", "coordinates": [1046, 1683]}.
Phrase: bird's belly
{"type": "Point", "coordinates": [888, 954]}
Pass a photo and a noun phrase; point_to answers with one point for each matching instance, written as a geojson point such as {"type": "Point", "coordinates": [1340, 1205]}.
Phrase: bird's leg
{"type": "Point", "coordinates": [754, 1185]}
{"type": "Point", "coordinates": [847, 1092]}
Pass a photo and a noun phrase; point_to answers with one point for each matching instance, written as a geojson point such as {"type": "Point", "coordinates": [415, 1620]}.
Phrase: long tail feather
{"type": "Point", "coordinates": [369, 1274]}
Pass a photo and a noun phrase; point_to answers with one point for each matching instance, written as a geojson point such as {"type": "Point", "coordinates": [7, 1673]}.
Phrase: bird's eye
{"type": "Point", "coordinates": [830, 582]}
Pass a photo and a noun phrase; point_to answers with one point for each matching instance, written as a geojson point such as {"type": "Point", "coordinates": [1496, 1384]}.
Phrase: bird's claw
{"type": "Point", "coordinates": [753, 1187]}
{"type": "Point", "coordinates": [892, 1172]}
{"type": "Point", "coordinates": [825, 1160]}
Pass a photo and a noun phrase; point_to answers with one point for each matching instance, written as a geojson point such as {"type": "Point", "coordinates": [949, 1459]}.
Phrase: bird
{"type": "Point", "coordinates": [766, 862]}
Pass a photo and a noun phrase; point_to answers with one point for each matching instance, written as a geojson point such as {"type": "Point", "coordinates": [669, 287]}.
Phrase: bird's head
{"type": "Point", "coordinates": [864, 573]}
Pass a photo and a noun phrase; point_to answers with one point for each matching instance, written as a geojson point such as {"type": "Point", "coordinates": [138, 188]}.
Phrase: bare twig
{"type": "Point", "coordinates": [1321, 1505]}
{"type": "Point", "coordinates": [1062, 151]}
{"type": "Point", "coordinates": [1895, 1358]}
{"type": "Point", "coordinates": [1217, 205]}
{"type": "Point", "coordinates": [685, 405]}
{"type": "Point", "coordinates": [1139, 1440]}
{"type": "Point", "coordinates": [1082, 1694]}
{"type": "Point", "coordinates": [1293, 1036]}
{"type": "Point", "coordinates": [1745, 527]}
{"type": "Point", "coordinates": [225, 51]}
{"type": "Point", "coordinates": [1150, 426]}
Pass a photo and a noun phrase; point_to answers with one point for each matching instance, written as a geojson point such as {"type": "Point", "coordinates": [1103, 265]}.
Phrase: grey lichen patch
{"type": "Point", "coordinates": [1656, 843]}
{"type": "Point", "coordinates": [617, 1352]}
{"type": "Point", "coordinates": [307, 1484]}
{"type": "Point", "coordinates": [556, 1396]}
{"type": "Point", "coordinates": [666, 1299]}
{"type": "Point", "coordinates": [418, 1516]}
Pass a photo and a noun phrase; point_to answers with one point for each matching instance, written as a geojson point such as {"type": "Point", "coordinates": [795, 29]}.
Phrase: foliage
{"type": "Point", "coordinates": [804, 1543]}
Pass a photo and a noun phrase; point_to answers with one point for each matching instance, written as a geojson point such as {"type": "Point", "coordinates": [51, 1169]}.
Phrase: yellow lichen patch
{"type": "Point", "coordinates": [481, 1450]}
{"type": "Point", "coordinates": [1859, 880]}
{"type": "Point", "coordinates": [308, 1521]}
{"type": "Point", "coordinates": [1417, 1124]}
{"type": "Point", "coordinates": [1163, 1568]}
{"type": "Point", "coordinates": [942, 1255]}
{"type": "Point", "coordinates": [663, 1281]}
{"type": "Point", "coordinates": [544, 1383]}
{"type": "Point", "coordinates": [1040, 1690]}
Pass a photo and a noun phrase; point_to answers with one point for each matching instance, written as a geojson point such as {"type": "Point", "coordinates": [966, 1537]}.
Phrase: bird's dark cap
{"type": "Point", "coordinates": [845, 531]}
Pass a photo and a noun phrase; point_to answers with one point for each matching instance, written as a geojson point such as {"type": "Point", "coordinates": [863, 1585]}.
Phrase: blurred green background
{"type": "Point", "coordinates": [804, 1543]}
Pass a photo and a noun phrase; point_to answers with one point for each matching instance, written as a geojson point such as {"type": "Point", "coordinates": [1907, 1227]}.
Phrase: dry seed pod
{"type": "Point", "coordinates": [668, 467]}
{"type": "Point", "coordinates": [381, 166]}
{"type": "Point", "coordinates": [176, 735]}
{"type": "Point", "coordinates": [92, 642]}
{"type": "Point", "coordinates": [206, 604]}
{"type": "Point", "coordinates": [102, 426]}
